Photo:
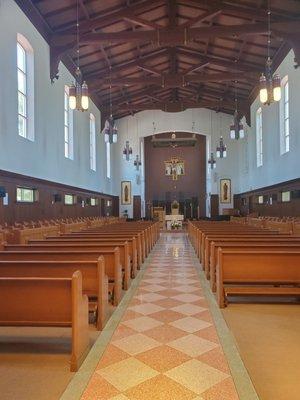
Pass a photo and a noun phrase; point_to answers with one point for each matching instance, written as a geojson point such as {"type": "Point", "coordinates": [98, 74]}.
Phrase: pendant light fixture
{"type": "Point", "coordinates": [78, 92]}
{"type": "Point", "coordinates": [137, 162]}
{"type": "Point", "coordinates": [212, 161]}
{"type": "Point", "coordinates": [237, 128]}
{"type": "Point", "coordinates": [221, 149]}
{"type": "Point", "coordinates": [270, 85]}
{"type": "Point", "coordinates": [110, 130]}
{"type": "Point", "coordinates": [127, 151]}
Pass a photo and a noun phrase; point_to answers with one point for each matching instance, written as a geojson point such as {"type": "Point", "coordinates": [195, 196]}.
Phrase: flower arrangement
{"type": "Point", "coordinates": [175, 225]}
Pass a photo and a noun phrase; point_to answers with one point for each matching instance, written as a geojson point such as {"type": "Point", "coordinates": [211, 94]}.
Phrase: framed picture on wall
{"type": "Point", "coordinates": [225, 191]}
{"type": "Point", "coordinates": [125, 192]}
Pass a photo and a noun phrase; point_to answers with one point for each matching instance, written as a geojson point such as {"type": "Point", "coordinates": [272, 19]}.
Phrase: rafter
{"type": "Point", "coordinates": [177, 80]}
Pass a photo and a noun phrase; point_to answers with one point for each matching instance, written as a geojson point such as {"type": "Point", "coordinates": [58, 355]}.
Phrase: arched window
{"type": "Point", "coordinates": [284, 117]}
{"type": "Point", "coordinates": [92, 142]}
{"type": "Point", "coordinates": [25, 77]}
{"type": "Point", "coordinates": [259, 138]}
{"type": "Point", "coordinates": [108, 171]}
{"type": "Point", "coordinates": [68, 126]}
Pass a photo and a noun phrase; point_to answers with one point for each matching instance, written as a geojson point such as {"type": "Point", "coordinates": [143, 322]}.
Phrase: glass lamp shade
{"type": "Point", "coordinates": [276, 83]}
{"type": "Point", "coordinates": [115, 137]}
{"type": "Point", "coordinates": [106, 137]}
{"type": "Point", "coordinates": [232, 132]}
{"type": "Point", "coordinates": [224, 153]}
{"type": "Point", "coordinates": [218, 153]}
{"type": "Point", "coordinates": [72, 97]}
{"type": "Point", "coordinates": [241, 131]}
{"type": "Point", "coordinates": [214, 165]}
{"type": "Point", "coordinates": [84, 96]}
{"type": "Point", "coordinates": [263, 92]}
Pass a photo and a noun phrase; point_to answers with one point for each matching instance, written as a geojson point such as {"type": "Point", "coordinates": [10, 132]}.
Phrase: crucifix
{"type": "Point", "coordinates": [174, 168]}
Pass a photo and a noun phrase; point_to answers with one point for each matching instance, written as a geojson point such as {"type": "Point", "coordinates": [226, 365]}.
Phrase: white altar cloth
{"type": "Point", "coordinates": [173, 218]}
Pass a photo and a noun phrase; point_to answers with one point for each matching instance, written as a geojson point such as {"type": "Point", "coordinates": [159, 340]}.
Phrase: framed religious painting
{"type": "Point", "coordinates": [125, 192]}
{"type": "Point", "coordinates": [225, 191]}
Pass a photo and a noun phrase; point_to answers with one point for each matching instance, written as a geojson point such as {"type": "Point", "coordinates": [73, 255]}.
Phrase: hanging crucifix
{"type": "Point", "coordinates": [174, 168]}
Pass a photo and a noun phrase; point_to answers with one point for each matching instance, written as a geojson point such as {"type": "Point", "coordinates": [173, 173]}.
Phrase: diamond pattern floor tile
{"type": "Point", "coordinates": [192, 345]}
{"type": "Point", "coordinates": [127, 374]}
{"type": "Point", "coordinates": [136, 344]}
{"type": "Point", "coordinates": [196, 376]}
{"type": "Point", "coordinates": [142, 324]}
{"type": "Point", "coordinates": [160, 388]}
{"type": "Point", "coordinates": [190, 324]}
{"type": "Point", "coordinates": [166, 346]}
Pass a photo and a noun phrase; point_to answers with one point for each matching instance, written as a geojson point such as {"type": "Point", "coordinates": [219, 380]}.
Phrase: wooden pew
{"type": "Point", "coordinates": [257, 273]}
{"type": "Point", "coordinates": [235, 237]}
{"type": "Point", "coordinates": [247, 245]}
{"type": "Point", "coordinates": [113, 267]}
{"type": "Point", "coordinates": [117, 242]}
{"type": "Point", "coordinates": [26, 302]}
{"type": "Point", "coordinates": [136, 237]}
{"type": "Point", "coordinates": [94, 279]}
{"type": "Point", "coordinates": [80, 247]}
{"type": "Point", "coordinates": [204, 244]}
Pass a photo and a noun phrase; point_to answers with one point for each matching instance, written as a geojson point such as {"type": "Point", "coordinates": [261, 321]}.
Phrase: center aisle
{"type": "Point", "coordinates": [166, 346]}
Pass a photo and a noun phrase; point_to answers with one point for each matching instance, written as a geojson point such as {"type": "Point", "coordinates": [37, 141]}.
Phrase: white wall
{"type": "Point", "coordinates": [240, 165]}
{"type": "Point", "coordinates": [276, 168]}
{"type": "Point", "coordinates": [43, 158]}
{"type": "Point", "coordinates": [201, 121]}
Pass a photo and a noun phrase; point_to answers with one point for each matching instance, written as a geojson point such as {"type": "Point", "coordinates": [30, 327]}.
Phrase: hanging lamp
{"type": "Point", "coordinates": [78, 93]}
{"type": "Point", "coordinates": [137, 162]}
{"type": "Point", "coordinates": [270, 85]}
{"type": "Point", "coordinates": [127, 151]}
{"type": "Point", "coordinates": [221, 149]}
{"type": "Point", "coordinates": [110, 129]}
{"type": "Point", "coordinates": [237, 128]}
{"type": "Point", "coordinates": [212, 161]}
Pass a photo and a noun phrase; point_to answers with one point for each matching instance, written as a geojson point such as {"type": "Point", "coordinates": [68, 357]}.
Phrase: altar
{"type": "Point", "coordinates": [171, 219]}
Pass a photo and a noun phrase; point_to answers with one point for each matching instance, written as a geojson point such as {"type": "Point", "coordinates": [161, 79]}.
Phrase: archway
{"type": "Point", "coordinates": [176, 173]}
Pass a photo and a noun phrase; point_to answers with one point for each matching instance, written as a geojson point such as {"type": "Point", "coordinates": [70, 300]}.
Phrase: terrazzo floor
{"type": "Point", "coordinates": [166, 345]}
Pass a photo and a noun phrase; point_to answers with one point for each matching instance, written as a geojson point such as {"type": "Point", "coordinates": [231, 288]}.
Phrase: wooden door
{"type": "Point", "coordinates": [102, 210]}
{"type": "Point", "coordinates": [137, 207]}
{"type": "Point", "coordinates": [214, 205]}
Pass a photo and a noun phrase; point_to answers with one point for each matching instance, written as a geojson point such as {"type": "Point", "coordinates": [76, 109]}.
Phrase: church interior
{"type": "Point", "coordinates": [149, 200]}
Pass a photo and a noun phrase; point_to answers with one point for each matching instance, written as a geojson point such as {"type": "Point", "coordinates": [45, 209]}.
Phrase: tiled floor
{"type": "Point", "coordinates": [166, 346]}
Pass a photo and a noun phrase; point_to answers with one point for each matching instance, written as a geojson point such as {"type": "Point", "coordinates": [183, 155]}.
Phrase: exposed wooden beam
{"type": "Point", "coordinates": [142, 22]}
{"type": "Point", "coordinates": [149, 69]}
{"type": "Point", "coordinates": [178, 36]}
{"type": "Point", "coordinates": [178, 80]}
{"type": "Point", "coordinates": [196, 67]}
{"type": "Point", "coordinates": [110, 18]}
{"type": "Point", "coordinates": [201, 18]}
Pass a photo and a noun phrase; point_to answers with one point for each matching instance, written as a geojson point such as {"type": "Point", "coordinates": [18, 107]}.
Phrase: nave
{"type": "Point", "coordinates": [166, 345]}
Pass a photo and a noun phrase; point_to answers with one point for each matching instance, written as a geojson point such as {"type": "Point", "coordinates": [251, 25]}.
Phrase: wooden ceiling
{"type": "Point", "coordinates": [168, 54]}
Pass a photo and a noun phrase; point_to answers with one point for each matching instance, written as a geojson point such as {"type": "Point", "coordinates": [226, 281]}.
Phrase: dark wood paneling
{"type": "Point", "coordinates": [137, 210]}
{"type": "Point", "coordinates": [248, 202]}
{"type": "Point", "coordinates": [159, 187]}
{"type": "Point", "coordinates": [46, 207]}
{"type": "Point", "coordinates": [214, 205]}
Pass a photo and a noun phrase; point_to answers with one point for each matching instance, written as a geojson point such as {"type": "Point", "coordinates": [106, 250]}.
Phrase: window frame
{"type": "Point", "coordinates": [68, 127]}
{"type": "Point", "coordinates": [25, 90]}
{"type": "Point", "coordinates": [93, 159]}
{"type": "Point", "coordinates": [72, 196]}
{"type": "Point", "coordinates": [283, 199]}
{"type": "Point", "coordinates": [259, 138]}
{"type": "Point", "coordinates": [22, 199]}
{"type": "Point", "coordinates": [284, 116]}
{"type": "Point", "coordinates": [108, 160]}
